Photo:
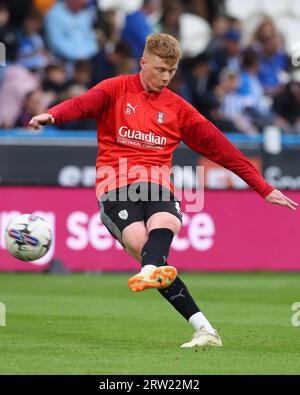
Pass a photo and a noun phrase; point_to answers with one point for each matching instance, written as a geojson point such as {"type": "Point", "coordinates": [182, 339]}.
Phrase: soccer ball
{"type": "Point", "coordinates": [28, 237]}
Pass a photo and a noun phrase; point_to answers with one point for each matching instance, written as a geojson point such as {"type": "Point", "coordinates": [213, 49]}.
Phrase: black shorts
{"type": "Point", "coordinates": [134, 203]}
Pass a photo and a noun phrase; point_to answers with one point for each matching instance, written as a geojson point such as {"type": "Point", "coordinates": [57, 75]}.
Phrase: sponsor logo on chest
{"type": "Point", "coordinates": [144, 139]}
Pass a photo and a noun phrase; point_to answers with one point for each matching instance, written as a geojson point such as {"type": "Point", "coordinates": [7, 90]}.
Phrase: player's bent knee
{"type": "Point", "coordinates": [134, 254]}
{"type": "Point", "coordinates": [135, 249]}
{"type": "Point", "coordinates": [136, 245]}
{"type": "Point", "coordinates": [164, 220]}
{"type": "Point", "coordinates": [134, 238]}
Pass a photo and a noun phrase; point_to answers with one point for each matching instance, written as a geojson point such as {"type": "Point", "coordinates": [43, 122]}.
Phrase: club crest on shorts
{"type": "Point", "coordinates": [160, 117]}
{"type": "Point", "coordinates": [123, 214]}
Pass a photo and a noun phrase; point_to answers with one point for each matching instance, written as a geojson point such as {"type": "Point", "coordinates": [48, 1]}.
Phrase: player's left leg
{"type": "Point", "coordinates": [161, 227]}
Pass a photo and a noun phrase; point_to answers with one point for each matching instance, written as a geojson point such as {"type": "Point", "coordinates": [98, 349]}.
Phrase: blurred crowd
{"type": "Point", "coordinates": [240, 75]}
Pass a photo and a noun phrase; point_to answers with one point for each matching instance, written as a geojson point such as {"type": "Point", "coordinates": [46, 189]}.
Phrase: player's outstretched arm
{"type": "Point", "coordinates": [41, 120]}
{"type": "Point", "coordinates": [277, 197]}
{"type": "Point", "coordinates": [205, 138]}
{"type": "Point", "coordinates": [89, 105]}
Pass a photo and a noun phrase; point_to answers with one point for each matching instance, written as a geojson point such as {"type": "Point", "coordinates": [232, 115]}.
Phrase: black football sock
{"type": "Point", "coordinates": [178, 295]}
{"type": "Point", "coordinates": [156, 250]}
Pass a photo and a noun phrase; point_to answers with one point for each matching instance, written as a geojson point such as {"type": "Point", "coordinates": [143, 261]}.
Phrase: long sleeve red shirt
{"type": "Point", "coordinates": [139, 131]}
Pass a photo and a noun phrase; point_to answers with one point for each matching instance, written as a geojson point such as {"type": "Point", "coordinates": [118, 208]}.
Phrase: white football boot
{"type": "Point", "coordinates": [203, 338]}
{"type": "Point", "coordinates": [152, 277]}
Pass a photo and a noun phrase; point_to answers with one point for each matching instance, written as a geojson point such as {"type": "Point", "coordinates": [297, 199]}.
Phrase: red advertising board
{"type": "Point", "coordinates": [235, 231]}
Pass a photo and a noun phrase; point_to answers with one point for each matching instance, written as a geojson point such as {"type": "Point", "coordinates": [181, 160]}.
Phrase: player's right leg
{"type": "Point", "coordinates": [124, 219]}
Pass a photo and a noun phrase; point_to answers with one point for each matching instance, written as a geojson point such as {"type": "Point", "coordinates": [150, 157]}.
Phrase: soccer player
{"type": "Point", "coordinates": [140, 123]}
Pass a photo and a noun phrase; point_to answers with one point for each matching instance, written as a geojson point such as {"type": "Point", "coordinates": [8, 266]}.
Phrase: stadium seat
{"type": "Point", "coordinates": [249, 28]}
{"type": "Point", "coordinates": [274, 8]}
{"type": "Point", "coordinates": [126, 6]}
{"type": "Point", "coordinates": [293, 8]}
{"type": "Point", "coordinates": [195, 34]}
{"type": "Point", "coordinates": [290, 28]}
{"type": "Point", "coordinates": [244, 11]}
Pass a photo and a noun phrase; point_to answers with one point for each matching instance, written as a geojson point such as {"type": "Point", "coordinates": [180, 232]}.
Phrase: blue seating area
{"type": "Point", "coordinates": [288, 141]}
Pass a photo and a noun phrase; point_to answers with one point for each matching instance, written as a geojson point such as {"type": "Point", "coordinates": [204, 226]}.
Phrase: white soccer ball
{"type": "Point", "coordinates": [28, 237]}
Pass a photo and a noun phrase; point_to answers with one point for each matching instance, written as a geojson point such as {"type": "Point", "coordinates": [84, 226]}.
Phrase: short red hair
{"type": "Point", "coordinates": [163, 45]}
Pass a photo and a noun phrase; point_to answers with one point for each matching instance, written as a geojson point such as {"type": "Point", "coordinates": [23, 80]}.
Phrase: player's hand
{"type": "Point", "coordinates": [277, 197]}
{"type": "Point", "coordinates": [41, 120]}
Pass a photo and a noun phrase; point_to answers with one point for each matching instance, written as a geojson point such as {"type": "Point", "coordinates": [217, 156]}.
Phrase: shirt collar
{"type": "Point", "coordinates": [141, 89]}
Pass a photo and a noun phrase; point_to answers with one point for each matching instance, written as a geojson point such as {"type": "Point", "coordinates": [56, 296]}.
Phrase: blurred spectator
{"type": "Point", "coordinates": [55, 81]}
{"type": "Point", "coordinates": [17, 82]}
{"type": "Point", "coordinates": [235, 24]}
{"type": "Point", "coordinates": [230, 54]}
{"type": "Point", "coordinates": [200, 80]}
{"type": "Point", "coordinates": [220, 25]}
{"type": "Point", "coordinates": [7, 33]}
{"type": "Point", "coordinates": [138, 27]}
{"type": "Point", "coordinates": [207, 9]}
{"type": "Point", "coordinates": [55, 77]}
{"type": "Point", "coordinates": [108, 27]}
{"type": "Point", "coordinates": [179, 86]}
{"type": "Point", "coordinates": [69, 30]}
{"type": "Point", "coordinates": [192, 31]}
{"type": "Point", "coordinates": [240, 100]}
{"type": "Point", "coordinates": [257, 108]}
{"type": "Point", "coordinates": [31, 49]}
{"type": "Point", "coordinates": [215, 7]}
{"type": "Point", "coordinates": [80, 124]}
{"type": "Point", "coordinates": [287, 105]}
{"type": "Point", "coordinates": [197, 7]}
{"type": "Point", "coordinates": [18, 11]}
{"type": "Point", "coordinates": [170, 18]}
{"type": "Point", "coordinates": [43, 5]}
{"type": "Point", "coordinates": [111, 61]}
{"type": "Point", "coordinates": [82, 73]}
{"type": "Point", "coordinates": [56, 85]}
{"type": "Point", "coordinates": [231, 114]}
{"type": "Point", "coordinates": [273, 61]}
{"type": "Point", "coordinates": [34, 103]}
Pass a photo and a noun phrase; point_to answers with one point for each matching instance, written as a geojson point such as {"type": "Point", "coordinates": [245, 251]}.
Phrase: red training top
{"type": "Point", "coordinates": [139, 131]}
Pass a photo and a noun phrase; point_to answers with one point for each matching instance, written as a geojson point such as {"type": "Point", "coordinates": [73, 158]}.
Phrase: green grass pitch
{"type": "Point", "coordinates": [92, 324]}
